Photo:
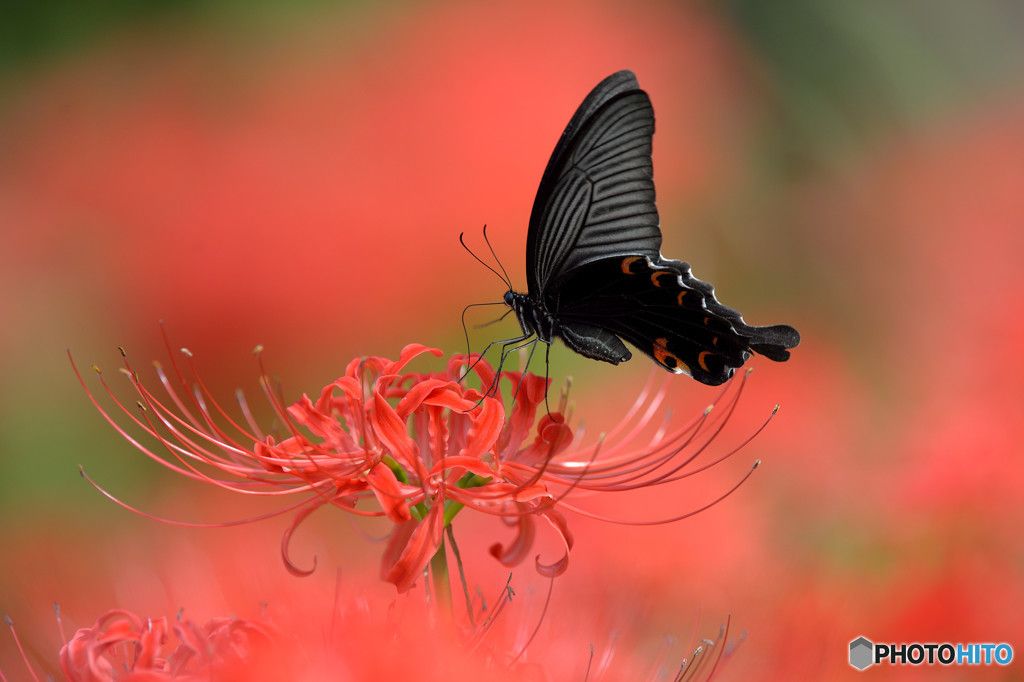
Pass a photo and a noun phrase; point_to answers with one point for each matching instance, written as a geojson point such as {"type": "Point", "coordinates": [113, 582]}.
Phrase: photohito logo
{"type": "Point", "coordinates": [864, 653]}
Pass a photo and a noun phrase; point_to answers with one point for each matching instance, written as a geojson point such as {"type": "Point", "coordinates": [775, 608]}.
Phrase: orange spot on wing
{"type": "Point", "coordinates": [628, 262]}
{"type": "Point", "coordinates": [700, 359]}
{"type": "Point", "coordinates": [667, 359]}
{"type": "Point", "coordinates": [679, 298]}
{"type": "Point", "coordinates": [655, 276]}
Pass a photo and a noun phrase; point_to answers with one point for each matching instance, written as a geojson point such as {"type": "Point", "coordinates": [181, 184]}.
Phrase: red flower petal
{"type": "Point", "coordinates": [389, 492]}
{"type": "Point", "coordinates": [411, 546]}
{"type": "Point", "coordinates": [393, 434]}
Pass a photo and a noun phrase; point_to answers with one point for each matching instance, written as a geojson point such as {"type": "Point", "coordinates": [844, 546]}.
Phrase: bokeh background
{"type": "Point", "coordinates": [297, 175]}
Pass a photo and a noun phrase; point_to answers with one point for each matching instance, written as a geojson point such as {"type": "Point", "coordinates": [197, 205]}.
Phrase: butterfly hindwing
{"type": "Point", "coordinates": [597, 193]}
{"type": "Point", "coordinates": [659, 307]}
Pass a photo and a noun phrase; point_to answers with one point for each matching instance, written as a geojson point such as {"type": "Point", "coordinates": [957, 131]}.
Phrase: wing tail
{"type": "Point", "coordinates": [773, 341]}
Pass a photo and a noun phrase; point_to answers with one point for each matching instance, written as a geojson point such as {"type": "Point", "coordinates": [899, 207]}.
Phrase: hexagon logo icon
{"type": "Point", "coordinates": [860, 653]}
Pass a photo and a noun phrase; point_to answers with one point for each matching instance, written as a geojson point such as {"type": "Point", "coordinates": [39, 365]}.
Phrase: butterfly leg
{"type": "Point", "coordinates": [508, 348]}
{"type": "Point", "coordinates": [505, 350]}
{"type": "Point", "coordinates": [503, 344]}
{"type": "Point", "coordinates": [522, 377]}
{"type": "Point", "coordinates": [547, 376]}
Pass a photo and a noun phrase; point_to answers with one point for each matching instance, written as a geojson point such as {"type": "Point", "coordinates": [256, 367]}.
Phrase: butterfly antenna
{"type": "Point", "coordinates": [504, 279]}
{"type": "Point", "coordinates": [508, 280]}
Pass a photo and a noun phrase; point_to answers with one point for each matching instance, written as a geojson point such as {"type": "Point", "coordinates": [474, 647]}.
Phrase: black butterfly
{"type": "Point", "coordinates": [594, 267]}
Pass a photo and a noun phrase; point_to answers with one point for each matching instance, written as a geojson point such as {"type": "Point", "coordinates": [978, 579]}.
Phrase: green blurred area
{"type": "Point", "coordinates": [34, 33]}
{"type": "Point", "coordinates": [842, 73]}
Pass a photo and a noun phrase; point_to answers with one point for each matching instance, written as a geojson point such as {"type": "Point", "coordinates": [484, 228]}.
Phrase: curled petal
{"type": "Point", "coordinates": [362, 368]}
{"type": "Point", "coordinates": [349, 387]}
{"type": "Point", "coordinates": [320, 421]}
{"type": "Point", "coordinates": [516, 551]}
{"type": "Point", "coordinates": [389, 492]}
{"type": "Point", "coordinates": [83, 658]}
{"type": "Point", "coordinates": [393, 434]}
{"type": "Point", "coordinates": [406, 356]}
{"type": "Point", "coordinates": [532, 493]}
{"type": "Point", "coordinates": [453, 368]}
{"type": "Point", "coordinates": [410, 548]}
{"type": "Point", "coordinates": [561, 526]}
{"type": "Point", "coordinates": [553, 437]}
{"type": "Point", "coordinates": [458, 462]}
{"type": "Point", "coordinates": [438, 392]}
{"type": "Point", "coordinates": [286, 539]}
{"type": "Point", "coordinates": [123, 646]}
{"type": "Point", "coordinates": [485, 430]}
{"type": "Point", "coordinates": [480, 368]}
{"type": "Point", "coordinates": [529, 398]}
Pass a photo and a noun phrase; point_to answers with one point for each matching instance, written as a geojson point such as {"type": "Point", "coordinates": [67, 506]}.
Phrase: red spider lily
{"type": "Point", "coordinates": [123, 646]}
{"type": "Point", "coordinates": [423, 445]}
{"type": "Point", "coordinates": [362, 637]}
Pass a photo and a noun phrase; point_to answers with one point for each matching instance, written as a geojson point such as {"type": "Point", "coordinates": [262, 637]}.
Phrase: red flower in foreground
{"type": "Point", "coordinates": [361, 638]}
{"type": "Point", "coordinates": [123, 646]}
{"type": "Point", "coordinates": [422, 445]}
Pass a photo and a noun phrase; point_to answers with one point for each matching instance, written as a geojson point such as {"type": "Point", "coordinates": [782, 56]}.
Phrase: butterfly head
{"type": "Point", "coordinates": [521, 304]}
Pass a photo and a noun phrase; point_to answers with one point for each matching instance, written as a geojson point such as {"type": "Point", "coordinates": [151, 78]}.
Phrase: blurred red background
{"type": "Point", "coordinates": [299, 176]}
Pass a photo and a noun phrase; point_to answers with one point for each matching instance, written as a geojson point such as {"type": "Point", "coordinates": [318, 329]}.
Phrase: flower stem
{"type": "Point", "coordinates": [440, 580]}
{"type": "Point", "coordinates": [462, 574]}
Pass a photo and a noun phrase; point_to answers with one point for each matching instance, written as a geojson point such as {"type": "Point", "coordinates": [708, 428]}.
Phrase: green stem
{"type": "Point", "coordinates": [440, 580]}
{"type": "Point", "coordinates": [462, 574]}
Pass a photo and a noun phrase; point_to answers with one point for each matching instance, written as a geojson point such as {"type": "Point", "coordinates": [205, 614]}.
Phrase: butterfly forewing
{"type": "Point", "coordinates": [597, 193]}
